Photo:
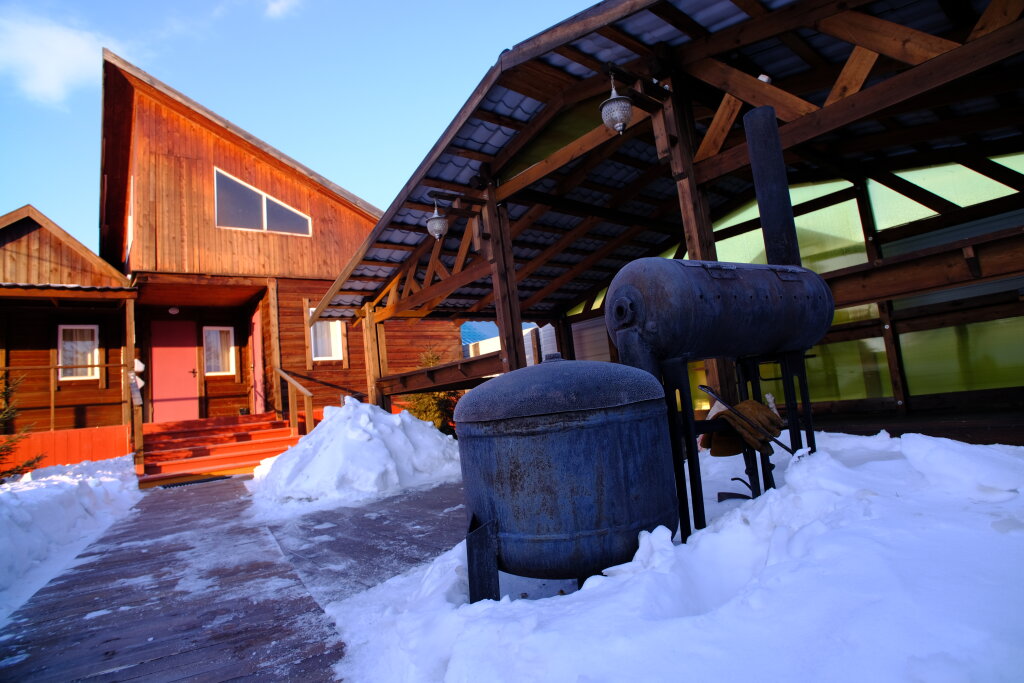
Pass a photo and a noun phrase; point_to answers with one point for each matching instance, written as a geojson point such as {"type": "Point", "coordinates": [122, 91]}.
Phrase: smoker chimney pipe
{"type": "Point", "coordinates": [771, 187]}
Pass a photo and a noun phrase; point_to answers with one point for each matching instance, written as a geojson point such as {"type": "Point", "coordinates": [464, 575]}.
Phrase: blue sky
{"type": "Point", "coordinates": [357, 91]}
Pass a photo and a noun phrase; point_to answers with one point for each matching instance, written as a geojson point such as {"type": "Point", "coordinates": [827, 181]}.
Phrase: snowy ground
{"type": "Point", "coordinates": [877, 559]}
{"type": "Point", "coordinates": [51, 514]}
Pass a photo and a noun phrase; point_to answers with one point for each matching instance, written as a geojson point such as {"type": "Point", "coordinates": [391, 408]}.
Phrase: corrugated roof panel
{"type": "Point", "coordinates": [567, 65]}
{"type": "Point", "coordinates": [640, 150]}
{"type": "Point", "coordinates": [637, 207]}
{"type": "Point", "coordinates": [559, 220]}
{"type": "Point", "coordinates": [453, 168]}
{"type": "Point", "coordinates": [538, 237]}
{"type": "Point", "coordinates": [483, 136]}
{"type": "Point", "coordinates": [651, 30]}
{"type": "Point", "coordinates": [604, 50]}
{"type": "Point", "coordinates": [372, 271]}
{"type": "Point", "coordinates": [775, 59]}
{"type": "Point", "coordinates": [589, 195]}
{"type": "Point", "coordinates": [613, 173]}
{"type": "Point", "coordinates": [501, 100]}
{"type": "Point", "coordinates": [714, 16]}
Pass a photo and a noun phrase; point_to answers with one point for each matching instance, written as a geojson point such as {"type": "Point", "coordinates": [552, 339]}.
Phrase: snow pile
{"type": "Point", "coordinates": [51, 514]}
{"type": "Point", "coordinates": [357, 453]}
{"type": "Point", "coordinates": [877, 559]}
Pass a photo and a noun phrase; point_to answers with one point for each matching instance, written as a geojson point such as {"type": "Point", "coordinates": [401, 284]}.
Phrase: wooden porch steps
{"type": "Point", "coordinates": [197, 449]}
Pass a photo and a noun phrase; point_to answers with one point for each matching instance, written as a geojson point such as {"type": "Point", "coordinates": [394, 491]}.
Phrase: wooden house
{"type": "Point", "coordinates": [222, 245]}
{"type": "Point", "coordinates": [64, 313]}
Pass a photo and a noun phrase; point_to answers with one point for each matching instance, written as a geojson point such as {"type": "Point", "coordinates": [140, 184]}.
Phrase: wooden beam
{"type": "Point", "coordinates": [749, 89]}
{"type": "Point", "coordinates": [678, 19]}
{"type": "Point", "coordinates": [962, 61]}
{"type": "Point", "coordinates": [371, 351]}
{"type": "Point", "coordinates": [996, 171]}
{"type": "Point", "coordinates": [962, 215]}
{"type": "Point", "coordinates": [498, 251]}
{"type": "Point", "coordinates": [673, 134]}
{"type": "Point", "coordinates": [893, 40]}
{"type": "Point", "coordinates": [556, 160]}
{"type": "Point", "coordinates": [462, 374]}
{"type": "Point", "coordinates": [789, 18]}
{"type": "Point", "coordinates": [998, 14]}
{"type": "Point", "coordinates": [855, 72]}
{"type": "Point", "coordinates": [718, 130]}
{"type": "Point", "coordinates": [995, 257]}
{"type": "Point", "coordinates": [475, 271]}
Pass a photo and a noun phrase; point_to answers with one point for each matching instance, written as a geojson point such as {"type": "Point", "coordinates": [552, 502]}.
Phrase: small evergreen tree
{"type": "Point", "coordinates": [8, 442]}
{"type": "Point", "coordinates": [437, 407]}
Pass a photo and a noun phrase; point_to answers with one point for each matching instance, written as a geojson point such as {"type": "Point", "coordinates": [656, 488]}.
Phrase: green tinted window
{"type": "Point", "coordinates": [984, 355]}
{"type": "Point", "coordinates": [841, 371]}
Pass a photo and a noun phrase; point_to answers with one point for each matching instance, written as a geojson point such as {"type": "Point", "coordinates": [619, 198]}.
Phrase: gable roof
{"type": "Point", "coordinates": [36, 252]}
{"type": "Point", "coordinates": [583, 202]}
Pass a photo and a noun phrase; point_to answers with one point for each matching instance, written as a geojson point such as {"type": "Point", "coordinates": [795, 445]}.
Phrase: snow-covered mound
{"type": "Point", "coordinates": [51, 514]}
{"type": "Point", "coordinates": [359, 452]}
{"type": "Point", "coordinates": [877, 559]}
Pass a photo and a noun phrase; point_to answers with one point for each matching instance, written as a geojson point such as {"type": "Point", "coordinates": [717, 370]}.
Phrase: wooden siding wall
{"type": "Point", "coordinates": [174, 155]}
{"type": "Point", "coordinates": [71, 446]}
{"type": "Point", "coordinates": [116, 151]}
{"type": "Point", "coordinates": [30, 339]}
{"type": "Point", "coordinates": [29, 253]}
{"type": "Point", "coordinates": [328, 380]}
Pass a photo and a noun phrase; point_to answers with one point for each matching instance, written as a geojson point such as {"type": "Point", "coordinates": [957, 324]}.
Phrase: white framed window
{"type": "Point", "coordinates": [327, 338]}
{"type": "Point", "coordinates": [219, 350]}
{"type": "Point", "coordinates": [78, 351]}
{"type": "Point", "coordinates": [241, 206]}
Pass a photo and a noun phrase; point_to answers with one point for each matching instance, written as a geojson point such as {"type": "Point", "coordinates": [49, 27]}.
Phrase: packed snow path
{"type": "Point", "coordinates": [189, 585]}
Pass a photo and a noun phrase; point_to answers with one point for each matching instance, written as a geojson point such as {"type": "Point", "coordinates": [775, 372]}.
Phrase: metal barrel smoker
{"type": "Point", "coordinates": [663, 313]}
{"type": "Point", "coordinates": [563, 464]}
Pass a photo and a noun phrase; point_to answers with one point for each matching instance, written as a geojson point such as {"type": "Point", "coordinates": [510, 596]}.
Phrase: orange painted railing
{"type": "Point", "coordinates": [70, 446]}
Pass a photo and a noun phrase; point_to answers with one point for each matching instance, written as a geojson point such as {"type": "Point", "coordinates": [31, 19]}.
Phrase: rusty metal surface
{"type": "Point", "coordinates": [557, 386]}
{"type": "Point", "coordinates": [570, 491]}
{"type": "Point", "coordinates": [661, 308]}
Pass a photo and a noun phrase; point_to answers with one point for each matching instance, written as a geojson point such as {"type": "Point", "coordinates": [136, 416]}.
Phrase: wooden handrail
{"type": "Point", "coordinates": [294, 389]}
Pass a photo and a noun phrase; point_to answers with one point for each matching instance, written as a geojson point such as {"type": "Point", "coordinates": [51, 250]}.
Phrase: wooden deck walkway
{"type": "Point", "coordinates": [187, 588]}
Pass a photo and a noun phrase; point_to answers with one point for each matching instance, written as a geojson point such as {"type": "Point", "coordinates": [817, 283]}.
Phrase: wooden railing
{"type": "Point", "coordinates": [53, 371]}
{"type": "Point", "coordinates": [294, 389]}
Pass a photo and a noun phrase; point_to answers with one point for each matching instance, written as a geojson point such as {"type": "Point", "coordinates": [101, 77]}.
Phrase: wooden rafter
{"type": "Point", "coordinates": [855, 72]}
{"type": "Point", "coordinates": [999, 13]}
{"type": "Point", "coordinates": [749, 89]}
{"type": "Point", "coordinates": [893, 40]}
{"type": "Point", "coordinates": [938, 71]}
{"type": "Point", "coordinates": [721, 124]}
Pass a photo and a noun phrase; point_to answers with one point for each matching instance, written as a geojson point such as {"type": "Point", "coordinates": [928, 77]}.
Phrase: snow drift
{"type": "Point", "coordinates": [357, 453]}
{"type": "Point", "coordinates": [877, 559]}
{"type": "Point", "coordinates": [51, 514]}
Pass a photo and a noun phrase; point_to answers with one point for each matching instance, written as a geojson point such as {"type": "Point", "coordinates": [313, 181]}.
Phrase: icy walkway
{"type": "Point", "coordinates": [186, 587]}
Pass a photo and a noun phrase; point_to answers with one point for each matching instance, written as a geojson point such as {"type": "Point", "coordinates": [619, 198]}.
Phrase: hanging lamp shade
{"type": "Point", "coordinates": [437, 225]}
{"type": "Point", "coordinates": [616, 111]}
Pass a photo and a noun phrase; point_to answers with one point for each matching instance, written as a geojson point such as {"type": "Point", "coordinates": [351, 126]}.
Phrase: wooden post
{"type": "Point", "coordinates": [563, 332]}
{"type": "Point", "coordinates": [893, 350]}
{"type": "Point", "coordinates": [498, 250]}
{"type": "Point", "coordinates": [277, 399]}
{"type": "Point", "coordinates": [371, 350]}
{"type": "Point", "coordinates": [674, 140]}
{"type": "Point", "coordinates": [132, 414]}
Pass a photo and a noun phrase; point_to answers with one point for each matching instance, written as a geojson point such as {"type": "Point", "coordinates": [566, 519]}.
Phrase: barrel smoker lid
{"type": "Point", "coordinates": [557, 386]}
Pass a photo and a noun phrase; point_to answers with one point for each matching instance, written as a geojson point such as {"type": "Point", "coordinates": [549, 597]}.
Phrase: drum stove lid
{"type": "Point", "coordinates": [557, 386]}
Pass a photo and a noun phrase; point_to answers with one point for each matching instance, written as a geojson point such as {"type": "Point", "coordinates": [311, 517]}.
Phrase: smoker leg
{"type": "Point", "coordinates": [792, 412]}
{"type": "Point", "coordinates": [482, 560]}
{"type": "Point", "coordinates": [676, 379]}
{"type": "Point", "coordinates": [750, 465]}
{"type": "Point", "coordinates": [805, 402]}
{"type": "Point", "coordinates": [675, 435]}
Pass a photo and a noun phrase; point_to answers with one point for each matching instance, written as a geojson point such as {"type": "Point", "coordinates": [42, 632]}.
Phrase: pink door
{"type": "Point", "coordinates": [175, 392]}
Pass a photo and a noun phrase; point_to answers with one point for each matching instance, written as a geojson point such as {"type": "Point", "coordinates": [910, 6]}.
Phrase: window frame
{"type": "Point", "coordinates": [232, 364]}
{"type": "Point", "coordinates": [94, 369]}
{"type": "Point", "coordinates": [264, 197]}
{"type": "Point", "coordinates": [337, 335]}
